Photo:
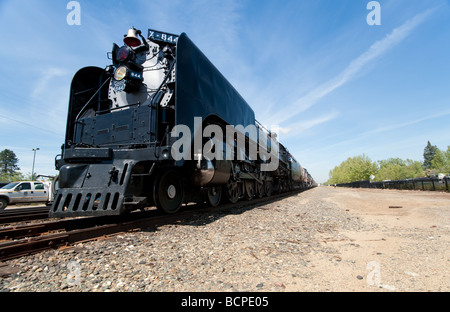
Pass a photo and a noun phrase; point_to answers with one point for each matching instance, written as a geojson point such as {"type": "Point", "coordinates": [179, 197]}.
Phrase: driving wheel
{"type": "Point", "coordinates": [214, 195]}
{"type": "Point", "coordinates": [232, 191]}
{"type": "Point", "coordinates": [259, 189]}
{"type": "Point", "coordinates": [249, 186]}
{"type": "Point", "coordinates": [268, 188]}
{"type": "Point", "coordinates": [168, 192]}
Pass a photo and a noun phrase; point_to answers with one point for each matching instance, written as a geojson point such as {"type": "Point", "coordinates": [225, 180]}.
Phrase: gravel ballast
{"type": "Point", "coordinates": [323, 239]}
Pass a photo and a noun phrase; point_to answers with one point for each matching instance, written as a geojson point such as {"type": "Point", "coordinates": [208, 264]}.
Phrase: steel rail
{"type": "Point", "coordinates": [23, 214]}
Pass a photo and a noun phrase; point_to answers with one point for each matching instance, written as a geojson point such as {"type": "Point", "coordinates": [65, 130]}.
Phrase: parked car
{"type": "Point", "coordinates": [24, 192]}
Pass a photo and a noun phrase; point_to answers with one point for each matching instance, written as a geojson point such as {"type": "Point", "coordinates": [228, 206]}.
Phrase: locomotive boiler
{"type": "Point", "coordinates": [124, 135]}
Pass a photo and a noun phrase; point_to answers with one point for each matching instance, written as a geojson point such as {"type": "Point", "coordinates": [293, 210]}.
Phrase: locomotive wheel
{"type": "Point", "coordinates": [249, 186]}
{"type": "Point", "coordinates": [268, 188]}
{"type": "Point", "coordinates": [214, 195]}
{"type": "Point", "coordinates": [259, 189]}
{"type": "Point", "coordinates": [168, 192]}
{"type": "Point", "coordinates": [233, 191]}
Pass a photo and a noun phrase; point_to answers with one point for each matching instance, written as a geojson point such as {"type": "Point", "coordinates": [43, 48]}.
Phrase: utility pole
{"type": "Point", "coordinates": [34, 158]}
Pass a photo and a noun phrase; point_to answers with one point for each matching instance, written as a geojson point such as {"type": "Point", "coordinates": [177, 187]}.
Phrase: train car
{"type": "Point", "coordinates": [128, 124]}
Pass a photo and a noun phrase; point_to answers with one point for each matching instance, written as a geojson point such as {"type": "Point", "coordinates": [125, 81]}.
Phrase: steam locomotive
{"type": "Point", "coordinates": [123, 135]}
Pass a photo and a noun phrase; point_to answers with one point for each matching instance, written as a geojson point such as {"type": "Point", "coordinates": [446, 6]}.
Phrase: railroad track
{"type": "Point", "coordinates": [23, 214]}
{"type": "Point", "coordinates": [23, 240]}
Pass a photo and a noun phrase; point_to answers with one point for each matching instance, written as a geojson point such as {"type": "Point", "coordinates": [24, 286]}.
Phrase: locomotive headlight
{"type": "Point", "coordinates": [120, 73]}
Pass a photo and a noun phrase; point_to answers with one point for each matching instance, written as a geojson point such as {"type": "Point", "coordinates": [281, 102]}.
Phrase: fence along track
{"type": "Point", "coordinates": [424, 184]}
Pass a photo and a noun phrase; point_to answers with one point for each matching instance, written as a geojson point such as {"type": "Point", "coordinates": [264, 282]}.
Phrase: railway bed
{"type": "Point", "coordinates": [21, 240]}
{"type": "Point", "coordinates": [319, 240]}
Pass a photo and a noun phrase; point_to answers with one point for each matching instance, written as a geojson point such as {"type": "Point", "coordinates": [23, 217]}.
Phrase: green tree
{"type": "Point", "coordinates": [391, 169]}
{"type": "Point", "coordinates": [447, 157]}
{"type": "Point", "coordinates": [399, 169]}
{"type": "Point", "coordinates": [440, 162]}
{"type": "Point", "coordinates": [428, 154]}
{"type": "Point", "coordinates": [356, 168]}
{"type": "Point", "coordinates": [414, 169]}
{"type": "Point", "coordinates": [8, 165]}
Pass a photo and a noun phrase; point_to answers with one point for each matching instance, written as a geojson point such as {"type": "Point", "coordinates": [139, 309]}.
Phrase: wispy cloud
{"type": "Point", "coordinates": [304, 125]}
{"type": "Point", "coordinates": [15, 122]}
{"type": "Point", "coordinates": [42, 84]}
{"type": "Point", "coordinates": [407, 123]}
{"type": "Point", "coordinates": [390, 128]}
{"type": "Point", "coordinates": [375, 51]}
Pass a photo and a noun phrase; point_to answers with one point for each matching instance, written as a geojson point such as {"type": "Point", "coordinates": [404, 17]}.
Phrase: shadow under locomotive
{"type": "Point", "coordinates": [203, 216]}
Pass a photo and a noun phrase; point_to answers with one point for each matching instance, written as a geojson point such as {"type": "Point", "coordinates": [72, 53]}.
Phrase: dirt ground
{"type": "Point", "coordinates": [407, 250]}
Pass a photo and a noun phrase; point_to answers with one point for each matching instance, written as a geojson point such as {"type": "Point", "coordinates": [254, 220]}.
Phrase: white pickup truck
{"type": "Point", "coordinates": [24, 192]}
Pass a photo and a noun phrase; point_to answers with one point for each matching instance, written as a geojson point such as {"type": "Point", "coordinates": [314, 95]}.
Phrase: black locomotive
{"type": "Point", "coordinates": [123, 137]}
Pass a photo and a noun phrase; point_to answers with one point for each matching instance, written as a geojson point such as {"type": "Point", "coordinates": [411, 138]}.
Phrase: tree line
{"type": "Point", "coordinates": [361, 167]}
{"type": "Point", "coordinates": [9, 170]}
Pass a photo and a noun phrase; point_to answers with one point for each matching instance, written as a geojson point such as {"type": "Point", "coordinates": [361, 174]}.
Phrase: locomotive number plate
{"type": "Point", "coordinates": [161, 36]}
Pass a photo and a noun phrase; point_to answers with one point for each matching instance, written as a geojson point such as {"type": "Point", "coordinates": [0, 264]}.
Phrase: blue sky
{"type": "Point", "coordinates": [336, 86]}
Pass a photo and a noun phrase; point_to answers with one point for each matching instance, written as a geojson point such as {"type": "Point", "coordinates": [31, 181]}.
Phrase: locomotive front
{"type": "Point", "coordinates": [118, 126]}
